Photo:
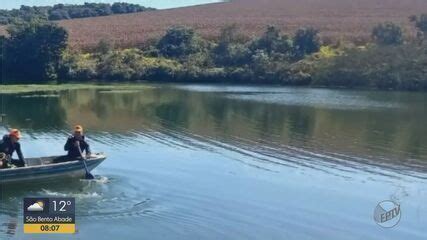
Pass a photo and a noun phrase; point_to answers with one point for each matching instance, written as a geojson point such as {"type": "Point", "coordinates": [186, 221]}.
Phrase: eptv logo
{"type": "Point", "coordinates": [387, 214]}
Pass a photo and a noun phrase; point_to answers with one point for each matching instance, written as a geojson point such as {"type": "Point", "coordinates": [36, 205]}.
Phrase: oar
{"type": "Point", "coordinates": [88, 176]}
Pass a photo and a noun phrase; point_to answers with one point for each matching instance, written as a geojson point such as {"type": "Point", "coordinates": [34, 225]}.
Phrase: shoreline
{"type": "Point", "coordinates": [141, 85]}
{"type": "Point", "coordinates": [33, 88]}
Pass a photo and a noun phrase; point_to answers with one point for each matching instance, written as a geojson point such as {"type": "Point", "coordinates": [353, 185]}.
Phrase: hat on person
{"type": "Point", "coordinates": [78, 128]}
{"type": "Point", "coordinates": [15, 133]}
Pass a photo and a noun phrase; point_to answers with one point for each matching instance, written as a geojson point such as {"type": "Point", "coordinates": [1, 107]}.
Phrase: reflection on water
{"type": "Point", "coordinates": [386, 126]}
{"type": "Point", "coordinates": [231, 162]}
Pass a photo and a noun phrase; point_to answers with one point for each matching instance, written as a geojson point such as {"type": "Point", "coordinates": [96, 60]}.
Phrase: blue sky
{"type": "Point", "coordinates": [8, 4]}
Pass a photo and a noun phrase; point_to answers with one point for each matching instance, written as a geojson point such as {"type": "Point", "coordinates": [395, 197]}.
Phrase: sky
{"type": "Point", "coordinates": [161, 4]}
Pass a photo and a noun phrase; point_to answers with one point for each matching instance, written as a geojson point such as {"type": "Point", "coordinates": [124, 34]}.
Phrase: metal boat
{"type": "Point", "coordinates": [49, 168]}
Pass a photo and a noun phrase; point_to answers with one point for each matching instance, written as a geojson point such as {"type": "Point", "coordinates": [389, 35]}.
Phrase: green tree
{"type": "Point", "coordinates": [420, 23]}
{"type": "Point", "coordinates": [306, 41]}
{"type": "Point", "coordinates": [2, 45]}
{"type": "Point", "coordinates": [261, 64]}
{"type": "Point", "coordinates": [58, 14]}
{"type": "Point", "coordinates": [230, 51]}
{"type": "Point", "coordinates": [33, 51]}
{"type": "Point", "coordinates": [67, 11]}
{"type": "Point", "coordinates": [272, 41]}
{"type": "Point", "coordinates": [180, 42]}
{"type": "Point", "coordinates": [400, 67]}
{"type": "Point", "coordinates": [387, 34]}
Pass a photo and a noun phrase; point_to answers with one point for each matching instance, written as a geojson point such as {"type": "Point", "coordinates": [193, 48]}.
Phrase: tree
{"type": "Point", "coordinates": [58, 6]}
{"type": "Point", "coordinates": [180, 42]}
{"type": "Point", "coordinates": [230, 51]}
{"type": "Point", "coordinates": [4, 20]}
{"type": "Point", "coordinates": [261, 64]}
{"type": "Point", "coordinates": [2, 45]}
{"type": "Point", "coordinates": [121, 7]}
{"type": "Point", "coordinates": [58, 14]}
{"type": "Point", "coordinates": [33, 51]}
{"type": "Point", "coordinates": [67, 11]}
{"type": "Point", "coordinates": [420, 23]}
{"type": "Point", "coordinates": [102, 9]}
{"type": "Point", "coordinates": [306, 41]}
{"type": "Point", "coordinates": [118, 8]}
{"type": "Point", "coordinates": [387, 34]}
{"type": "Point", "coordinates": [272, 42]}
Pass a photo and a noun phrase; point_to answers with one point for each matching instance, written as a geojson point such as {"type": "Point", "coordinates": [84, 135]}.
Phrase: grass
{"type": "Point", "coordinates": [10, 89]}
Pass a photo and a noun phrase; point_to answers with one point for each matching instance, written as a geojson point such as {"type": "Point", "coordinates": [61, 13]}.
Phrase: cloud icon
{"type": "Point", "coordinates": [36, 207]}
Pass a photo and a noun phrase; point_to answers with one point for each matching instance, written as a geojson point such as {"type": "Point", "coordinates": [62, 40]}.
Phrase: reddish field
{"type": "Point", "coordinates": [336, 19]}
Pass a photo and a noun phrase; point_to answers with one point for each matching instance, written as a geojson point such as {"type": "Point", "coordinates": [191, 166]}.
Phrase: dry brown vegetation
{"type": "Point", "coordinates": [336, 19]}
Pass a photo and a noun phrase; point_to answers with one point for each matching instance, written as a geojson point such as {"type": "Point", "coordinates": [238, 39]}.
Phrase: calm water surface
{"type": "Point", "coordinates": [229, 162]}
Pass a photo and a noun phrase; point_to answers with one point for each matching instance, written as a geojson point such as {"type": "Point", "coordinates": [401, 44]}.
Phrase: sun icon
{"type": "Point", "coordinates": [40, 203]}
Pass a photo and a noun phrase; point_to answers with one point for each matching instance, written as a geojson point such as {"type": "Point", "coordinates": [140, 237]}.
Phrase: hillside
{"type": "Point", "coordinates": [336, 19]}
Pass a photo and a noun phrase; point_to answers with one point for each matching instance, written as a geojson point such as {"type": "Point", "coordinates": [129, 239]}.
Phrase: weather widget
{"type": "Point", "coordinates": [49, 215]}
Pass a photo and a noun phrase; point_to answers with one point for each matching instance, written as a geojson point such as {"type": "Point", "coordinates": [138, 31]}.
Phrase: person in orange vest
{"type": "Point", "coordinates": [8, 145]}
{"type": "Point", "coordinates": [76, 141]}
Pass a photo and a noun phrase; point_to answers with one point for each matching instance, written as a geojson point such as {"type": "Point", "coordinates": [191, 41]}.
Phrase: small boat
{"type": "Point", "coordinates": [48, 168]}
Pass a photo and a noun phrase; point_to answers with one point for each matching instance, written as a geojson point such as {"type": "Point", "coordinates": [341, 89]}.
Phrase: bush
{"type": "Point", "coordinates": [78, 67]}
{"type": "Point", "coordinates": [242, 74]}
{"type": "Point", "coordinates": [119, 8]}
{"type": "Point", "coordinates": [2, 45]}
{"type": "Point", "coordinates": [160, 69]}
{"type": "Point", "coordinates": [387, 34]}
{"type": "Point", "coordinates": [179, 42]}
{"type": "Point", "coordinates": [420, 24]}
{"type": "Point", "coordinates": [272, 42]}
{"type": "Point", "coordinates": [382, 67]}
{"type": "Point", "coordinates": [131, 65]}
{"type": "Point", "coordinates": [59, 14]}
{"type": "Point", "coordinates": [230, 51]}
{"type": "Point", "coordinates": [232, 55]}
{"type": "Point", "coordinates": [4, 20]}
{"type": "Point", "coordinates": [182, 56]}
{"type": "Point", "coordinates": [121, 65]}
{"type": "Point", "coordinates": [306, 41]}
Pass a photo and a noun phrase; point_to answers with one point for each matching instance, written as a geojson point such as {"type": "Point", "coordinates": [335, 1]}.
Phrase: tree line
{"type": "Point", "coordinates": [68, 11]}
{"type": "Point", "coordinates": [182, 55]}
{"type": "Point", "coordinates": [37, 52]}
{"type": "Point", "coordinates": [391, 63]}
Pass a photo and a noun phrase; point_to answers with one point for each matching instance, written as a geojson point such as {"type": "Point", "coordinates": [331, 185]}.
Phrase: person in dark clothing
{"type": "Point", "coordinates": [8, 145]}
{"type": "Point", "coordinates": [76, 141]}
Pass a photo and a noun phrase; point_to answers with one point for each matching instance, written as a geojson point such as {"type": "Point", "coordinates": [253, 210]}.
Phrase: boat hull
{"type": "Point", "coordinates": [42, 172]}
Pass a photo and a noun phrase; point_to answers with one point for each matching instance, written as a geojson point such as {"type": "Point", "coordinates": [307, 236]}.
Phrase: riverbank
{"type": "Point", "coordinates": [183, 56]}
{"type": "Point", "coordinates": [29, 88]}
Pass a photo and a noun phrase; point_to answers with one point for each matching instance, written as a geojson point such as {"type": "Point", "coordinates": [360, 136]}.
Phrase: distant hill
{"type": "Point", "coordinates": [336, 19]}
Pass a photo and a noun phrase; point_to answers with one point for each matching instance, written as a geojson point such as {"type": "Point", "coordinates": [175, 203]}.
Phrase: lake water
{"type": "Point", "coordinates": [230, 162]}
